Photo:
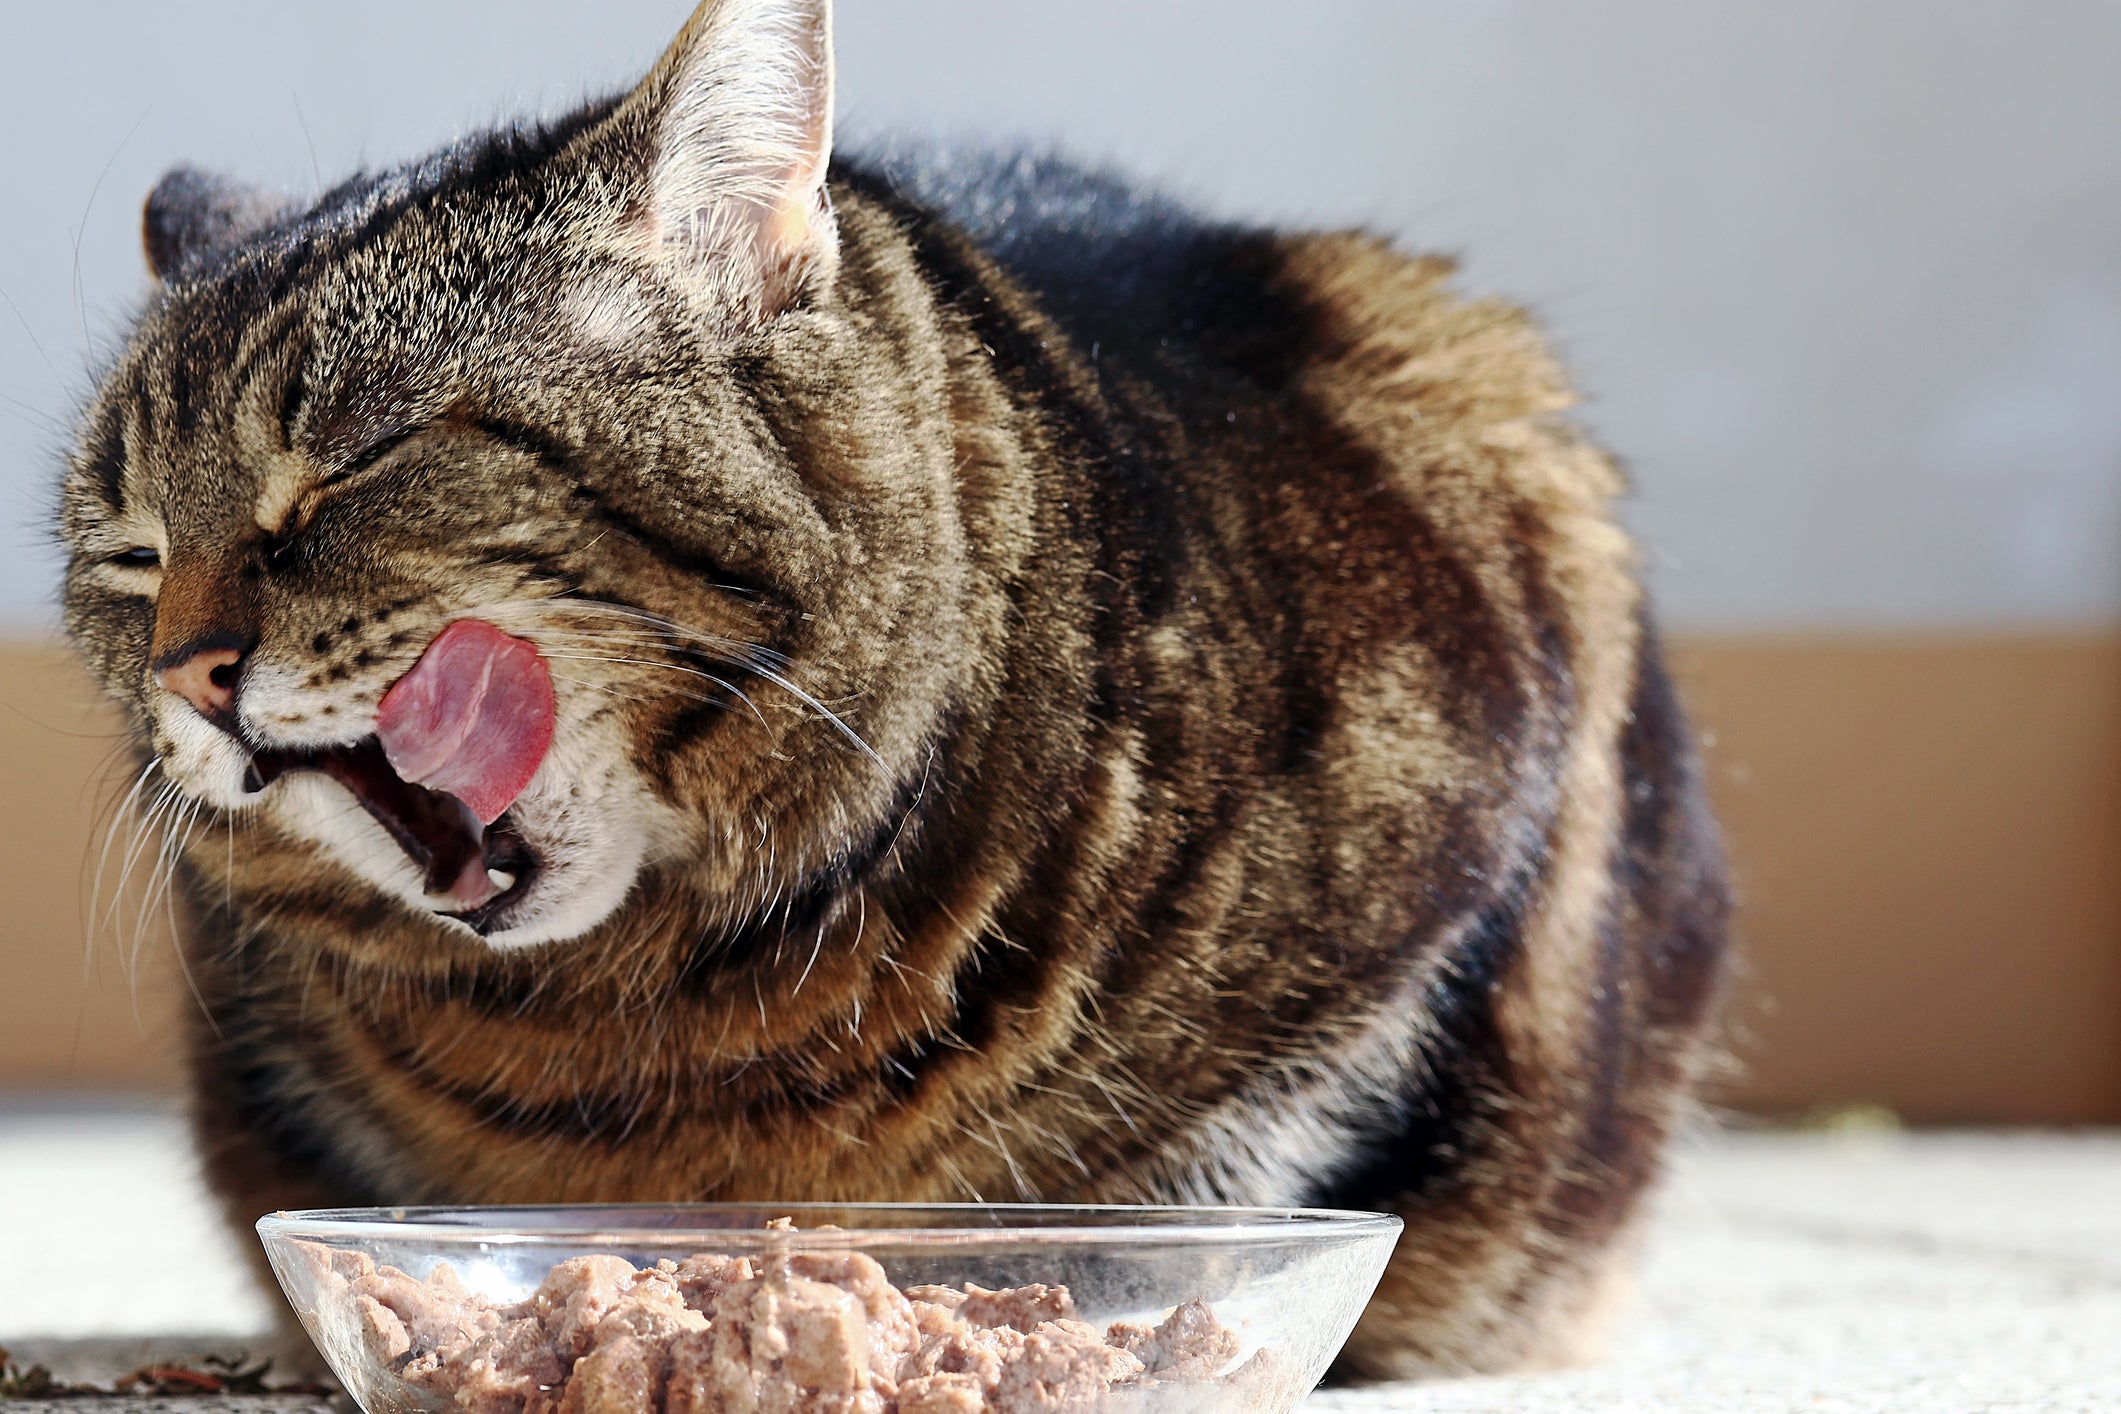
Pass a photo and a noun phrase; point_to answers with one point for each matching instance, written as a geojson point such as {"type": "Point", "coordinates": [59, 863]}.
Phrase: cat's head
{"type": "Point", "coordinates": [621, 393]}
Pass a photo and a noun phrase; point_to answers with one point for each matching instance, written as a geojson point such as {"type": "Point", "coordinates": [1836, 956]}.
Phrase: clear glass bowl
{"type": "Point", "coordinates": [1286, 1284]}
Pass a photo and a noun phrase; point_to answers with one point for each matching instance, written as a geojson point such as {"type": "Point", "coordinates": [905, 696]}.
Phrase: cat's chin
{"type": "Point", "coordinates": [561, 867]}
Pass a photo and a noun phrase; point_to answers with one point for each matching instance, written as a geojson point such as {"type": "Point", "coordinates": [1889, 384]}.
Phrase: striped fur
{"type": "Point", "coordinates": [1269, 788]}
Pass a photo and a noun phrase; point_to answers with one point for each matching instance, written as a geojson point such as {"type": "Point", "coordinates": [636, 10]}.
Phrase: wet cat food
{"type": "Point", "coordinates": [780, 1333]}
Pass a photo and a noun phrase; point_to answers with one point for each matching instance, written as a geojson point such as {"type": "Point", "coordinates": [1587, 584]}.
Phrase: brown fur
{"type": "Point", "coordinates": [1276, 795]}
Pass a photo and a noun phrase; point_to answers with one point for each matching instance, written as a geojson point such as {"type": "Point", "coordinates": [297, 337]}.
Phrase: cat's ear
{"type": "Point", "coordinates": [730, 137]}
{"type": "Point", "coordinates": [191, 213]}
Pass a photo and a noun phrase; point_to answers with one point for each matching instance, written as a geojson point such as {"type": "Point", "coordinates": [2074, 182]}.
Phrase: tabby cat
{"type": "Point", "coordinates": [704, 670]}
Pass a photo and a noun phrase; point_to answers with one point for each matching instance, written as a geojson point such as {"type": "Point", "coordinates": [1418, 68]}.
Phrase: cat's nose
{"type": "Point", "coordinates": [205, 673]}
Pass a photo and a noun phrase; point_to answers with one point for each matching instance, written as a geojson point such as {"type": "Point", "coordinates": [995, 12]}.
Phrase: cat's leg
{"type": "Point", "coordinates": [252, 1169]}
{"type": "Point", "coordinates": [1522, 1172]}
{"type": "Point", "coordinates": [1667, 930]}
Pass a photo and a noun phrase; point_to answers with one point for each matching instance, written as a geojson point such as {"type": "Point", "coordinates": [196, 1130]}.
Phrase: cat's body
{"type": "Point", "coordinates": [1275, 794]}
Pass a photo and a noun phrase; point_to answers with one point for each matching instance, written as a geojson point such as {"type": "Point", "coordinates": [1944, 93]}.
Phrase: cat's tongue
{"type": "Point", "coordinates": [473, 718]}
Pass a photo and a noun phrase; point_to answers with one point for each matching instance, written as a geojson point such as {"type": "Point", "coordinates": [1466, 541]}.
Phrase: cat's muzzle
{"type": "Point", "coordinates": [474, 873]}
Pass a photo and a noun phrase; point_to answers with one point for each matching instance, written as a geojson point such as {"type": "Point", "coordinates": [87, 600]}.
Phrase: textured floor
{"type": "Point", "coordinates": [1824, 1274]}
{"type": "Point", "coordinates": [1853, 1275]}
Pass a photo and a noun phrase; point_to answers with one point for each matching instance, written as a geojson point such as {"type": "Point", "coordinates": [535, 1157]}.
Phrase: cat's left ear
{"type": "Point", "coordinates": [191, 214]}
{"type": "Point", "coordinates": [729, 137]}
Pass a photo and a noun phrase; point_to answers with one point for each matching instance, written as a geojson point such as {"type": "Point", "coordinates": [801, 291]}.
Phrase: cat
{"type": "Point", "coordinates": [955, 679]}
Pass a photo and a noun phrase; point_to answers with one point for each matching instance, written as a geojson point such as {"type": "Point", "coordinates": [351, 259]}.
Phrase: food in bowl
{"type": "Point", "coordinates": [774, 1333]}
{"type": "Point", "coordinates": [893, 1308]}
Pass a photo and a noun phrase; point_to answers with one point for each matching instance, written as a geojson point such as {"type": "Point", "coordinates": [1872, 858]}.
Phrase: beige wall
{"type": "Point", "coordinates": [74, 1012]}
{"type": "Point", "coordinates": [1926, 834]}
{"type": "Point", "coordinates": [1927, 840]}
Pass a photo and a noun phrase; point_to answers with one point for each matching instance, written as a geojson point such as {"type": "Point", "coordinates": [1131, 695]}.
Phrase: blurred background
{"type": "Point", "coordinates": [1841, 280]}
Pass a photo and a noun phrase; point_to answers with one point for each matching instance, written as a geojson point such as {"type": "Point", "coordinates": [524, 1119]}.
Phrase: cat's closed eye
{"type": "Point", "coordinates": [367, 457]}
{"type": "Point", "coordinates": [139, 557]}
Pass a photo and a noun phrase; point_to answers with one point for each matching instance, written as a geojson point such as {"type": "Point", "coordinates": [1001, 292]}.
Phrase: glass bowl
{"type": "Point", "coordinates": [1165, 1308]}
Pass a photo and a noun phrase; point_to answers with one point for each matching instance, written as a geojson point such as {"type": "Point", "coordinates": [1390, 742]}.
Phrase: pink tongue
{"type": "Point", "coordinates": [473, 717]}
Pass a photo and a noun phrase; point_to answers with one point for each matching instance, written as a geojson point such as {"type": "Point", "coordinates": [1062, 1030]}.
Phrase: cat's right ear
{"type": "Point", "coordinates": [191, 214]}
{"type": "Point", "coordinates": [722, 152]}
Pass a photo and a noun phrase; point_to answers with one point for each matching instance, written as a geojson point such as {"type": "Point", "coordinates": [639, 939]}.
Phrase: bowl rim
{"type": "Point", "coordinates": [601, 1224]}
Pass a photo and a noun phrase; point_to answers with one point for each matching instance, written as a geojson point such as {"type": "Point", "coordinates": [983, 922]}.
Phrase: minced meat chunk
{"type": "Point", "coordinates": [580, 1292]}
{"type": "Point", "coordinates": [941, 1394]}
{"type": "Point", "coordinates": [780, 1345]}
{"type": "Point", "coordinates": [623, 1375]}
{"type": "Point", "coordinates": [1190, 1344]}
{"type": "Point", "coordinates": [1059, 1364]}
{"type": "Point", "coordinates": [701, 1279]}
{"type": "Point", "coordinates": [1059, 1369]}
{"type": "Point", "coordinates": [1022, 1308]}
{"type": "Point", "coordinates": [512, 1367]}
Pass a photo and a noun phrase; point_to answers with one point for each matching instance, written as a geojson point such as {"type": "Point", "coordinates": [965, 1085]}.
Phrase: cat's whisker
{"type": "Point", "coordinates": [673, 628]}
{"type": "Point", "coordinates": [623, 694]}
{"type": "Point", "coordinates": [664, 666]}
{"type": "Point", "coordinates": [817, 946]}
{"type": "Point", "coordinates": [826, 712]}
{"type": "Point", "coordinates": [726, 686]}
{"type": "Point", "coordinates": [659, 630]}
{"type": "Point", "coordinates": [150, 895]}
{"type": "Point", "coordinates": [119, 815]}
{"type": "Point", "coordinates": [176, 832]}
{"type": "Point", "coordinates": [757, 659]}
{"type": "Point", "coordinates": [228, 880]}
{"type": "Point", "coordinates": [134, 847]}
{"type": "Point", "coordinates": [169, 911]}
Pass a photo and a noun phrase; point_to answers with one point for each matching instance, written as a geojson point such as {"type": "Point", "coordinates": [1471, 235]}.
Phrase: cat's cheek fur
{"type": "Point", "coordinates": [594, 826]}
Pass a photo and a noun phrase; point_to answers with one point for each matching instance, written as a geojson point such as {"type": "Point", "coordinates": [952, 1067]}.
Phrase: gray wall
{"type": "Point", "coordinates": [1841, 277]}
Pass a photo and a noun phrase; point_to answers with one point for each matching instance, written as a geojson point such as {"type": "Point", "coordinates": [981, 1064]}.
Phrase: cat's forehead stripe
{"type": "Point", "coordinates": [280, 487]}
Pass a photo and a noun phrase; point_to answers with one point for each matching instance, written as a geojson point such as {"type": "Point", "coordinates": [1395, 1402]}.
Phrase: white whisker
{"type": "Point", "coordinates": [110, 836]}
{"type": "Point", "coordinates": [817, 946]}
{"type": "Point", "coordinates": [129, 951]}
{"type": "Point", "coordinates": [176, 940]}
{"type": "Point", "coordinates": [765, 663]}
{"type": "Point", "coordinates": [164, 795]}
{"type": "Point", "coordinates": [727, 687]}
{"type": "Point", "coordinates": [159, 879]}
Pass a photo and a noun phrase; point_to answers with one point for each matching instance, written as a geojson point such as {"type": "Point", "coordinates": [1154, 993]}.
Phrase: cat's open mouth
{"type": "Point", "coordinates": [457, 740]}
{"type": "Point", "coordinates": [480, 870]}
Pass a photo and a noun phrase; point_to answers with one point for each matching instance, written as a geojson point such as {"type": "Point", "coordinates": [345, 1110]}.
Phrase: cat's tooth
{"type": "Point", "coordinates": [501, 879]}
